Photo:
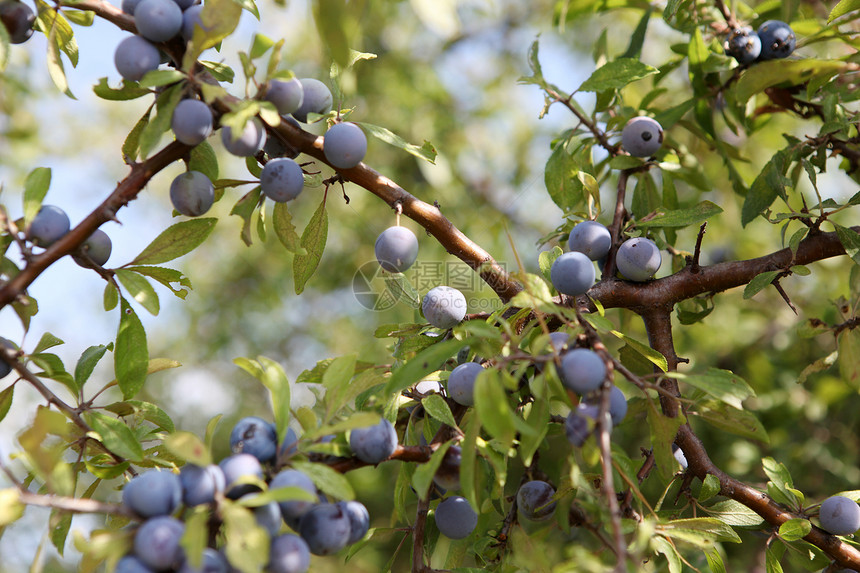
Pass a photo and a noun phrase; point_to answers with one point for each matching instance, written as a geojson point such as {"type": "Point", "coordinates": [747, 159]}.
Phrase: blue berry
{"type": "Point", "coordinates": [191, 121]}
{"type": "Point", "coordinates": [344, 145]}
{"type": "Point", "coordinates": [158, 20]}
{"type": "Point", "coordinates": [192, 193]}
{"type": "Point", "coordinates": [240, 467]}
{"type": "Point", "coordinates": [591, 239]}
{"type": "Point", "coordinates": [287, 95]}
{"type": "Point", "coordinates": [288, 553]}
{"type": "Point", "coordinates": [48, 226]}
{"type": "Point", "coordinates": [5, 367]}
{"type": "Point", "coordinates": [744, 45]}
{"type": "Point", "coordinates": [134, 57]}
{"type": "Point", "coordinates": [153, 493]}
{"type": "Point", "coordinates": [582, 370]}
{"type": "Point", "coordinates": [326, 528]}
{"type": "Point", "coordinates": [777, 40]}
{"type": "Point", "coordinates": [638, 259]}
{"type": "Point", "coordinates": [359, 520]}
{"type": "Point", "coordinates": [642, 137]}
{"type": "Point", "coordinates": [97, 247]}
{"type": "Point", "coordinates": [248, 143]}
{"type": "Point", "coordinates": [444, 307]}
{"type": "Point", "coordinates": [534, 500]}
{"type": "Point", "coordinates": [455, 518]}
{"type": "Point", "coordinates": [461, 383]}
{"type": "Point", "coordinates": [316, 99]}
{"type": "Point", "coordinates": [292, 511]}
{"type": "Point", "coordinates": [213, 562]}
{"type": "Point", "coordinates": [374, 444]}
{"type": "Point", "coordinates": [572, 273]}
{"type": "Point", "coordinates": [156, 543]}
{"type": "Point", "coordinates": [201, 484]}
{"type": "Point", "coordinates": [255, 436]}
{"type": "Point", "coordinates": [396, 249]}
{"type": "Point", "coordinates": [282, 180]}
{"type": "Point", "coordinates": [579, 424]}
{"type": "Point", "coordinates": [839, 515]}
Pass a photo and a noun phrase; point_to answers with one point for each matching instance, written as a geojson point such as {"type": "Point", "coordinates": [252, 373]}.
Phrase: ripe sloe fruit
{"type": "Point", "coordinates": [455, 518]}
{"type": "Point", "coordinates": [396, 249]}
{"type": "Point", "coordinates": [579, 424]}
{"type": "Point", "coordinates": [839, 515]}
{"type": "Point", "coordinates": [345, 145]}
{"type": "Point", "coordinates": [590, 238]}
{"type": "Point", "coordinates": [131, 564]}
{"type": "Point", "coordinates": [288, 553]}
{"type": "Point", "coordinates": [359, 519]}
{"type": "Point", "coordinates": [617, 404]}
{"type": "Point", "coordinates": [240, 467]}
{"type": "Point", "coordinates": [200, 484]}
{"type": "Point", "coordinates": [268, 516]}
{"type": "Point", "coordinates": [156, 542]}
{"type": "Point", "coordinates": [559, 340]}
{"type": "Point", "coordinates": [191, 121]}
{"type": "Point", "coordinates": [286, 95]}
{"type": "Point", "coordinates": [158, 20]}
{"type": "Point", "coordinates": [642, 137]}
{"type": "Point", "coordinates": [134, 57]}
{"type": "Point", "coordinates": [213, 562]}
{"type": "Point", "coordinates": [582, 370]}
{"type": "Point", "coordinates": [444, 306]}
{"type": "Point", "coordinates": [18, 20]}
{"type": "Point", "coordinates": [153, 493]}
{"type": "Point", "coordinates": [249, 142]}
{"type": "Point", "coordinates": [572, 273]}
{"type": "Point", "coordinates": [282, 180]}
{"type": "Point", "coordinates": [534, 500]}
{"type": "Point", "coordinates": [777, 40]}
{"type": "Point", "coordinates": [374, 444]}
{"type": "Point", "coordinates": [192, 193]}
{"type": "Point", "coordinates": [316, 99]}
{"type": "Point", "coordinates": [326, 528]}
{"type": "Point", "coordinates": [255, 436]}
{"type": "Point", "coordinates": [448, 475]}
{"type": "Point", "coordinates": [638, 259]}
{"type": "Point", "coordinates": [5, 367]}
{"type": "Point", "coordinates": [744, 45]}
{"type": "Point", "coordinates": [461, 383]}
{"type": "Point", "coordinates": [97, 247]}
{"type": "Point", "coordinates": [190, 20]}
{"type": "Point", "coordinates": [292, 511]}
{"type": "Point", "coordinates": [48, 226]}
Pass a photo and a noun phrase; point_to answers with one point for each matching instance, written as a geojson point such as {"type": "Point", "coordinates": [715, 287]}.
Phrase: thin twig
{"type": "Point", "coordinates": [418, 565]}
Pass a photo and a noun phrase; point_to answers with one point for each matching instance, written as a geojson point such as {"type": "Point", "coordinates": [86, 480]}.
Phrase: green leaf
{"type": "Point", "coordinates": [715, 561]}
{"type": "Point", "coordinates": [438, 408]}
{"type": "Point", "coordinates": [313, 241]}
{"type": "Point", "coordinates": [165, 276]}
{"type": "Point", "coordinates": [165, 103]}
{"type": "Point", "coordinates": [771, 559]}
{"type": "Point", "coordinates": [6, 400]}
{"type": "Point", "coordinates": [35, 188]}
{"type": "Point", "coordinates": [491, 405]}
{"type": "Point", "coordinates": [126, 91]}
{"type": "Point", "coordinates": [735, 514]}
{"type": "Point", "coordinates": [111, 296]}
{"type": "Point", "coordinates": [850, 239]}
{"type": "Point", "coordinates": [848, 343]}
{"type": "Point", "coordinates": [663, 431]}
{"type": "Point", "coordinates": [175, 241]}
{"type": "Point", "coordinates": [664, 547]}
{"type": "Point", "coordinates": [47, 341]}
{"type": "Point", "coordinates": [356, 420]}
{"type": "Point", "coordinates": [55, 62]}
{"type": "Point", "coordinates": [187, 446]}
{"type": "Point", "coordinates": [87, 363]}
{"type": "Point", "coordinates": [560, 178]}
{"type": "Point", "coordinates": [5, 45]}
{"type": "Point", "coordinates": [700, 531]}
{"type": "Point", "coordinates": [218, 20]}
{"type": "Point", "coordinates": [247, 543]}
{"type": "Point", "coordinates": [422, 479]}
{"type": "Point", "coordinates": [649, 353]}
{"type": "Point", "coordinates": [426, 151]}
{"type": "Point", "coordinates": [139, 289]}
{"type": "Point", "coordinates": [275, 380]}
{"type": "Point", "coordinates": [616, 74]}
{"type": "Point", "coordinates": [131, 356]}
{"type": "Point", "coordinates": [682, 217]}
{"type": "Point", "coordinates": [331, 20]}
{"type": "Point", "coordinates": [60, 524]}
{"type": "Point", "coordinates": [710, 488]}
{"type": "Point", "coordinates": [204, 160]}
{"type": "Point", "coordinates": [738, 422]}
{"type": "Point", "coordinates": [758, 283]}
{"type": "Point", "coordinates": [428, 360]}
{"type": "Point", "coordinates": [793, 72]}
{"type": "Point", "coordinates": [762, 193]}
{"type": "Point", "coordinates": [634, 49]}
{"type": "Point", "coordinates": [158, 78]}
{"type": "Point", "coordinates": [131, 145]}
{"type": "Point", "coordinates": [721, 384]}
{"type": "Point", "coordinates": [196, 535]}
{"type": "Point", "coordinates": [115, 435]}
{"type": "Point", "coordinates": [329, 481]}
{"type": "Point", "coordinates": [282, 220]}
{"type": "Point", "coordinates": [844, 7]}
{"type": "Point", "coordinates": [795, 529]}
{"type": "Point", "coordinates": [335, 379]}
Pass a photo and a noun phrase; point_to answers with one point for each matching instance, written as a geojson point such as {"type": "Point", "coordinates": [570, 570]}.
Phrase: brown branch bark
{"type": "Point", "coordinates": [74, 504]}
{"type": "Point", "coordinates": [125, 192]}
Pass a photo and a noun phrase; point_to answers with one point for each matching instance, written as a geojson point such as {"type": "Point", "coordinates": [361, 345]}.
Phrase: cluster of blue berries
{"type": "Point", "coordinates": [52, 223]}
{"type": "Point", "coordinates": [315, 527]}
{"type": "Point", "coordinates": [773, 40]}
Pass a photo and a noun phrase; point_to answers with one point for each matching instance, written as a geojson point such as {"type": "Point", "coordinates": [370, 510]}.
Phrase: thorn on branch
{"type": "Point", "coordinates": [694, 266]}
{"type": "Point", "coordinates": [783, 294]}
